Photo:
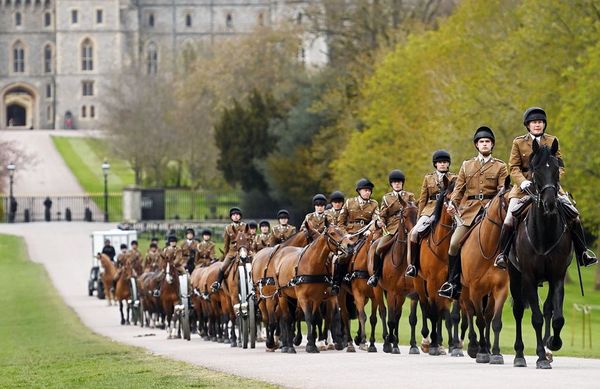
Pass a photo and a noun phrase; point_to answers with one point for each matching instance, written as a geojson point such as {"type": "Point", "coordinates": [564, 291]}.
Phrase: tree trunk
{"type": "Point", "coordinates": [597, 283]}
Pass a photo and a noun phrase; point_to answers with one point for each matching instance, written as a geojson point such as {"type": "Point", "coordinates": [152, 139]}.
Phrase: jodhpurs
{"type": "Point", "coordinates": [414, 233]}
{"type": "Point", "coordinates": [457, 236]}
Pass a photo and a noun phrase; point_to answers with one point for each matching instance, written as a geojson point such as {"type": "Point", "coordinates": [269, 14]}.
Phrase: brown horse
{"type": "Point", "coordinates": [198, 301]}
{"type": "Point", "coordinates": [216, 305]}
{"type": "Point", "coordinates": [149, 282]}
{"type": "Point", "coordinates": [107, 276]}
{"type": "Point", "coordinates": [396, 285]}
{"type": "Point", "coordinates": [169, 296]}
{"type": "Point", "coordinates": [303, 278]}
{"type": "Point", "coordinates": [434, 270]}
{"type": "Point", "coordinates": [485, 286]}
{"type": "Point", "coordinates": [123, 290]}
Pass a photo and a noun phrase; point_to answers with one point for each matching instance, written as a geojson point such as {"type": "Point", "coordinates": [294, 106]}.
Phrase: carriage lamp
{"type": "Point", "coordinates": [105, 169]}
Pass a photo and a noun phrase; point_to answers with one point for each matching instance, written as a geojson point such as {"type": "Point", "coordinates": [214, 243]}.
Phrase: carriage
{"type": "Point", "coordinates": [116, 237]}
{"type": "Point", "coordinates": [246, 310]}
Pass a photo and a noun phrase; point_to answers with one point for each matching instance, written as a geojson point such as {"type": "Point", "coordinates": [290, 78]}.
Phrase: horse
{"type": "Point", "coordinates": [395, 284]}
{"type": "Point", "coordinates": [123, 290]}
{"type": "Point", "coordinates": [216, 305]}
{"type": "Point", "coordinates": [198, 302]}
{"type": "Point", "coordinates": [169, 297]}
{"type": "Point", "coordinates": [107, 275]}
{"type": "Point", "coordinates": [485, 287]}
{"type": "Point", "coordinates": [149, 282]}
{"type": "Point", "coordinates": [303, 277]}
{"type": "Point", "coordinates": [543, 253]}
{"type": "Point", "coordinates": [434, 271]}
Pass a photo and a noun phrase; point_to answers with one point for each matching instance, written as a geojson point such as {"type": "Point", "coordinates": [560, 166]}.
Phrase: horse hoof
{"type": "Point", "coordinates": [442, 351]}
{"type": "Point", "coordinates": [233, 344]}
{"type": "Point", "coordinates": [554, 344]}
{"type": "Point", "coordinates": [291, 350]}
{"type": "Point", "coordinates": [482, 358]}
{"type": "Point", "coordinates": [350, 349]}
{"type": "Point", "coordinates": [357, 340]}
{"type": "Point", "coordinates": [240, 344]}
{"type": "Point", "coordinates": [339, 346]}
{"type": "Point", "coordinates": [472, 351]}
{"type": "Point", "coordinates": [434, 351]}
{"type": "Point", "coordinates": [496, 360]}
{"type": "Point", "coordinates": [414, 351]}
{"type": "Point", "coordinates": [297, 340]}
{"type": "Point", "coordinates": [387, 348]}
{"type": "Point", "coordinates": [221, 340]}
{"type": "Point", "coordinates": [270, 350]}
{"type": "Point", "coordinates": [311, 349]}
{"type": "Point", "coordinates": [205, 338]}
{"type": "Point", "coordinates": [456, 352]}
{"type": "Point", "coordinates": [284, 350]}
{"type": "Point", "coordinates": [395, 350]}
{"type": "Point", "coordinates": [122, 322]}
{"type": "Point", "coordinates": [362, 347]}
{"type": "Point", "coordinates": [331, 346]}
{"type": "Point", "coordinates": [543, 364]}
{"type": "Point", "coordinates": [519, 362]}
{"type": "Point", "coordinates": [372, 349]}
{"type": "Point", "coordinates": [549, 356]}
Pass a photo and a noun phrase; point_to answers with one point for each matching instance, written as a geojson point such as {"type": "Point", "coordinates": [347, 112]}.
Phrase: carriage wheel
{"type": "Point", "coordinates": [141, 313]}
{"type": "Point", "coordinates": [252, 322]}
{"type": "Point", "coordinates": [245, 331]}
{"type": "Point", "coordinates": [185, 320]}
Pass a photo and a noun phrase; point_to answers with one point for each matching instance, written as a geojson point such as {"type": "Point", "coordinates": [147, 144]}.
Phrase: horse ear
{"type": "Point", "coordinates": [554, 148]}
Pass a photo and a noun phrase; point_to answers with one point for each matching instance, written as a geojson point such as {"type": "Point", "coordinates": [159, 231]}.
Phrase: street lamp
{"type": "Point", "coordinates": [105, 168]}
{"type": "Point", "coordinates": [11, 173]}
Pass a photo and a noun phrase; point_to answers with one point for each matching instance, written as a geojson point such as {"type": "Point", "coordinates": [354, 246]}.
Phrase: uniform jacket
{"type": "Point", "coordinates": [205, 253]}
{"type": "Point", "coordinates": [152, 261]}
{"type": "Point", "coordinates": [475, 180]}
{"type": "Point", "coordinates": [391, 207]}
{"type": "Point", "coordinates": [261, 241]}
{"type": "Point", "coordinates": [230, 235]}
{"type": "Point", "coordinates": [281, 233]}
{"type": "Point", "coordinates": [522, 148]}
{"type": "Point", "coordinates": [316, 221]}
{"type": "Point", "coordinates": [356, 213]}
{"type": "Point", "coordinates": [430, 188]}
{"type": "Point", "coordinates": [334, 214]}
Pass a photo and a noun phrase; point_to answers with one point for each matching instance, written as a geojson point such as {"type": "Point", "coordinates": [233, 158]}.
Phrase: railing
{"type": "Point", "coordinates": [199, 205]}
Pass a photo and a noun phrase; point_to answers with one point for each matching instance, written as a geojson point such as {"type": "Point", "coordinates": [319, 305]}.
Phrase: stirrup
{"type": "Point", "coordinates": [588, 258]}
{"type": "Point", "coordinates": [373, 280]}
{"type": "Point", "coordinates": [448, 291]}
{"type": "Point", "coordinates": [156, 293]}
{"type": "Point", "coordinates": [500, 261]}
{"type": "Point", "coordinates": [335, 290]}
{"type": "Point", "coordinates": [411, 271]}
{"type": "Point", "coordinates": [215, 286]}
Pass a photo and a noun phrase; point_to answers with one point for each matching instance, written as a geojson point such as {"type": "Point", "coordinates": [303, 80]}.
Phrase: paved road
{"type": "Point", "coordinates": [68, 268]}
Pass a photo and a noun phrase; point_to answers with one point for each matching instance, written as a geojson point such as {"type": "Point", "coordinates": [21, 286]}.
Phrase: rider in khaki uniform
{"type": "Point", "coordinates": [135, 259]}
{"type": "Point", "coordinates": [479, 181]}
{"type": "Point", "coordinates": [262, 239]}
{"type": "Point", "coordinates": [171, 252]}
{"type": "Point", "coordinates": [433, 183]}
{"type": "Point", "coordinates": [122, 258]}
{"type": "Point", "coordinates": [316, 220]}
{"type": "Point", "coordinates": [229, 243]}
{"type": "Point", "coordinates": [356, 213]}
{"type": "Point", "coordinates": [252, 227]}
{"type": "Point", "coordinates": [534, 120]}
{"type": "Point", "coordinates": [152, 260]}
{"type": "Point", "coordinates": [205, 250]}
{"type": "Point", "coordinates": [336, 200]}
{"type": "Point", "coordinates": [392, 204]}
{"type": "Point", "coordinates": [283, 231]}
{"type": "Point", "coordinates": [189, 247]}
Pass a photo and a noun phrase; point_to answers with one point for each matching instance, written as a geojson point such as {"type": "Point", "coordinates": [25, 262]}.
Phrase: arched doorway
{"type": "Point", "coordinates": [18, 107]}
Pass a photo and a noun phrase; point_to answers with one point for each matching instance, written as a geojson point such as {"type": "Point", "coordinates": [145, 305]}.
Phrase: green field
{"type": "Point", "coordinates": [44, 345]}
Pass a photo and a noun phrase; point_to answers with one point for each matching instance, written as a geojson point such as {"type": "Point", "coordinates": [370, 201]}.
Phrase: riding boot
{"type": "Point", "coordinates": [339, 272]}
{"type": "Point", "coordinates": [505, 244]}
{"type": "Point", "coordinates": [377, 265]}
{"type": "Point", "coordinates": [217, 284]}
{"type": "Point", "coordinates": [451, 288]}
{"type": "Point", "coordinates": [413, 268]}
{"type": "Point", "coordinates": [585, 256]}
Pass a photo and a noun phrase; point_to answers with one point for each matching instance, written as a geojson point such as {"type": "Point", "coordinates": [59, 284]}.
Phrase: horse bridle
{"type": "Point", "coordinates": [339, 248]}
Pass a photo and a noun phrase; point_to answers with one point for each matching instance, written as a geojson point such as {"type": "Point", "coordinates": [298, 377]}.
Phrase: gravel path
{"type": "Point", "coordinates": [69, 266]}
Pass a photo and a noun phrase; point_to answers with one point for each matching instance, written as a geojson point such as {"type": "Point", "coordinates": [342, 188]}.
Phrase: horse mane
{"type": "Point", "coordinates": [439, 203]}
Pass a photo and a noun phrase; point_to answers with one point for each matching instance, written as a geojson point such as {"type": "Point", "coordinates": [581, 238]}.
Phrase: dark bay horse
{"type": "Point", "coordinates": [434, 270]}
{"type": "Point", "coordinates": [396, 285]}
{"type": "Point", "coordinates": [303, 277]}
{"type": "Point", "coordinates": [169, 296]}
{"type": "Point", "coordinates": [485, 287]}
{"type": "Point", "coordinates": [543, 253]}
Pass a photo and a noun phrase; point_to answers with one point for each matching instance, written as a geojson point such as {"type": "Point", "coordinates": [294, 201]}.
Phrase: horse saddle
{"type": "Point", "coordinates": [384, 249]}
{"type": "Point", "coordinates": [521, 207]}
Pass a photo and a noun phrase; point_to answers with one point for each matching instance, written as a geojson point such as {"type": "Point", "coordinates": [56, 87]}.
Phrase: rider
{"type": "Point", "coordinates": [283, 231]}
{"type": "Point", "coordinates": [262, 240]}
{"type": "Point", "coordinates": [229, 243]}
{"type": "Point", "coordinates": [252, 227]}
{"type": "Point", "coordinates": [109, 250]}
{"type": "Point", "coordinates": [205, 250]}
{"type": "Point", "coordinates": [151, 261]}
{"type": "Point", "coordinates": [189, 247]}
{"type": "Point", "coordinates": [336, 200]}
{"type": "Point", "coordinates": [356, 213]}
{"type": "Point", "coordinates": [169, 252]}
{"type": "Point", "coordinates": [316, 219]}
{"type": "Point", "coordinates": [122, 258]}
{"type": "Point", "coordinates": [135, 256]}
{"type": "Point", "coordinates": [432, 184]}
{"type": "Point", "coordinates": [534, 120]}
{"type": "Point", "coordinates": [391, 206]}
{"type": "Point", "coordinates": [479, 181]}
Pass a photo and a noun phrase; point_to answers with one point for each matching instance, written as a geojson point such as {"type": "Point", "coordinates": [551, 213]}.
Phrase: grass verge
{"type": "Point", "coordinates": [45, 345]}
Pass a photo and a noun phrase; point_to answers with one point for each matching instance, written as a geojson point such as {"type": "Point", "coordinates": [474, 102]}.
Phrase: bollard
{"type": "Point", "coordinates": [87, 215]}
{"type": "Point", "coordinates": [68, 214]}
{"type": "Point", "coordinates": [26, 215]}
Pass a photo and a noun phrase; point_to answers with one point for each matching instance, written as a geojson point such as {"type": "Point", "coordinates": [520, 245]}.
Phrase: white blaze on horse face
{"type": "Point", "coordinates": [243, 253]}
{"type": "Point", "coordinates": [169, 277]}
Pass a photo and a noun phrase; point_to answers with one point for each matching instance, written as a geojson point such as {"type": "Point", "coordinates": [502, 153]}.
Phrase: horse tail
{"type": "Point", "coordinates": [351, 307]}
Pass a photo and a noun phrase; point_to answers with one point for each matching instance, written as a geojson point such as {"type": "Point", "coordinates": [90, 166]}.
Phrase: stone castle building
{"type": "Point", "coordinates": [58, 56]}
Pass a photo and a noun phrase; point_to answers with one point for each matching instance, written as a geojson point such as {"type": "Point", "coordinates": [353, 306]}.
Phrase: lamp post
{"type": "Point", "coordinates": [105, 168]}
{"type": "Point", "coordinates": [11, 211]}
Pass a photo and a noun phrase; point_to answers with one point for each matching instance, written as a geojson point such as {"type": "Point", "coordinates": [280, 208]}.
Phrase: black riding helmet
{"type": "Point", "coordinates": [534, 113]}
{"type": "Point", "coordinates": [263, 223]}
{"type": "Point", "coordinates": [484, 132]}
{"type": "Point", "coordinates": [283, 213]}
{"type": "Point", "coordinates": [252, 224]}
{"type": "Point", "coordinates": [336, 196]}
{"type": "Point", "coordinates": [319, 199]}
{"type": "Point", "coordinates": [396, 175]}
{"type": "Point", "coordinates": [235, 210]}
{"type": "Point", "coordinates": [172, 238]}
{"type": "Point", "coordinates": [441, 156]}
{"type": "Point", "coordinates": [190, 231]}
{"type": "Point", "coordinates": [206, 231]}
{"type": "Point", "coordinates": [364, 183]}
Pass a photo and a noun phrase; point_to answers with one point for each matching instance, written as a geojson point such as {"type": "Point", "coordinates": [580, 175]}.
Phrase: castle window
{"type": "Point", "coordinates": [48, 59]}
{"type": "Point", "coordinates": [152, 59]}
{"type": "Point", "coordinates": [87, 55]}
{"type": "Point", "coordinates": [151, 20]}
{"type": "Point", "coordinates": [92, 111]}
{"type": "Point", "coordinates": [229, 21]}
{"type": "Point", "coordinates": [48, 90]}
{"type": "Point", "coordinates": [83, 111]}
{"type": "Point", "coordinates": [188, 20]}
{"type": "Point", "coordinates": [87, 88]}
{"type": "Point", "coordinates": [47, 19]}
{"type": "Point", "coordinates": [99, 16]}
{"type": "Point", "coordinates": [18, 19]}
{"type": "Point", "coordinates": [74, 16]}
{"type": "Point", "coordinates": [18, 58]}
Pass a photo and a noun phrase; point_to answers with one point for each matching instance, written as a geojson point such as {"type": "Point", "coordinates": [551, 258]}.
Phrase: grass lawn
{"type": "Point", "coordinates": [45, 345]}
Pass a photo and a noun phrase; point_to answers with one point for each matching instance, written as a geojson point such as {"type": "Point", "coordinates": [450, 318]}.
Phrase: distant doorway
{"type": "Point", "coordinates": [17, 107]}
{"type": "Point", "coordinates": [16, 116]}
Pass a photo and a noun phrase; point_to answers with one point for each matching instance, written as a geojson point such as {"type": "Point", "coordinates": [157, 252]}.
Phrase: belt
{"type": "Point", "coordinates": [360, 223]}
{"type": "Point", "coordinates": [480, 197]}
